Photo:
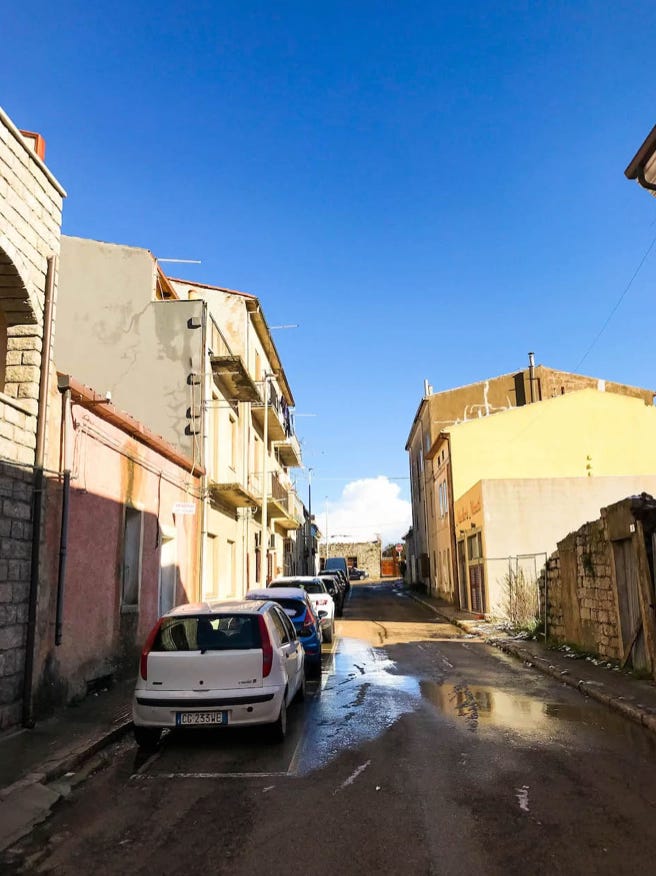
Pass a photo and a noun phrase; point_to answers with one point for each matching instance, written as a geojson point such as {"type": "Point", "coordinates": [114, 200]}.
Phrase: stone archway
{"type": "Point", "coordinates": [18, 299]}
{"type": "Point", "coordinates": [18, 304]}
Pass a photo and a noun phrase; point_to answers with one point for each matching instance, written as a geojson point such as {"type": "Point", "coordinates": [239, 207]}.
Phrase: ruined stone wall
{"type": "Point", "coordinates": [581, 593]}
{"type": "Point", "coordinates": [30, 221]}
{"type": "Point", "coordinates": [367, 554]}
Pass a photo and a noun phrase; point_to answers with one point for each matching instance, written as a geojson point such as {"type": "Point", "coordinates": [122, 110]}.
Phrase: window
{"type": "Point", "coordinates": [215, 421]}
{"type": "Point", "coordinates": [210, 565]}
{"type": "Point", "coordinates": [213, 632]}
{"type": "Point", "coordinates": [132, 537]}
{"type": "Point", "coordinates": [230, 568]}
{"type": "Point", "coordinates": [475, 546]}
{"type": "Point", "coordinates": [232, 454]}
{"type": "Point", "coordinates": [168, 574]}
{"type": "Point", "coordinates": [281, 629]}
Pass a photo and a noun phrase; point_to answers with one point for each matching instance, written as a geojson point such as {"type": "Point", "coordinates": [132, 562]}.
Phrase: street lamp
{"type": "Point", "coordinates": [308, 570]}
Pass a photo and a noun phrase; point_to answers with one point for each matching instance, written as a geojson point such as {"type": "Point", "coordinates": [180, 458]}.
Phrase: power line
{"type": "Point", "coordinates": [616, 307]}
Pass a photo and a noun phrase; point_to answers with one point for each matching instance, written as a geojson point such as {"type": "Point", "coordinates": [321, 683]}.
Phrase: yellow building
{"type": "Point", "coordinates": [494, 484]}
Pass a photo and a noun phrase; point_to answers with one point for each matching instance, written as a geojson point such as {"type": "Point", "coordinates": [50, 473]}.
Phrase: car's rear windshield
{"type": "Point", "coordinates": [208, 632]}
{"type": "Point", "coordinates": [308, 586]}
{"type": "Point", "coordinates": [293, 608]}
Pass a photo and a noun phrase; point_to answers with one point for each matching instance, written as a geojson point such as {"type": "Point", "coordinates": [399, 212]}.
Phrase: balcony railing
{"type": "Point", "coordinates": [280, 422]}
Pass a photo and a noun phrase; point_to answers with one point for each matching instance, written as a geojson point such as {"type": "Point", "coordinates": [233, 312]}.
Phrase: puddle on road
{"type": "Point", "coordinates": [478, 706]}
{"type": "Point", "coordinates": [364, 694]}
{"type": "Point", "coordinates": [362, 698]}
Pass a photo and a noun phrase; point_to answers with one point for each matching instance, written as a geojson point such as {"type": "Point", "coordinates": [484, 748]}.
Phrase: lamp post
{"type": "Point", "coordinates": [309, 563]}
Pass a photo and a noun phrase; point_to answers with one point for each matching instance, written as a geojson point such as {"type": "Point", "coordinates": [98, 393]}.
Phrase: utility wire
{"type": "Point", "coordinates": [617, 305]}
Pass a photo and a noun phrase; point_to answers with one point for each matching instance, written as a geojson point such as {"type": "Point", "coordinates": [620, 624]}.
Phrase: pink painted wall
{"type": "Point", "coordinates": [109, 471]}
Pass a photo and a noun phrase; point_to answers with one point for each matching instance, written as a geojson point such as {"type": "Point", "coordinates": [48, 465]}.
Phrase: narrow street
{"type": "Point", "coordinates": [420, 750]}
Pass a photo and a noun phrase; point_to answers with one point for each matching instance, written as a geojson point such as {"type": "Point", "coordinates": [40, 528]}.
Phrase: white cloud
{"type": "Point", "coordinates": [367, 508]}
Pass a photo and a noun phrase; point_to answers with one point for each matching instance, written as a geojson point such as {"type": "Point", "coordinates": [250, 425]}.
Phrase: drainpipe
{"type": "Point", "coordinates": [206, 398]}
{"type": "Point", "coordinates": [39, 482]}
{"type": "Point", "coordinates": [455, 566]}
{"type": "Point", "coordinates": [63, 533]}
{"type": "Point", "coordinates": [531, 375]}
{"type": "Point", "coordinates": [264, 547]}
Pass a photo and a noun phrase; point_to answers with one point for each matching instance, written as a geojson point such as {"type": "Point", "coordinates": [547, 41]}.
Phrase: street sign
{"type": "Point", "coordinates": [182, 508]}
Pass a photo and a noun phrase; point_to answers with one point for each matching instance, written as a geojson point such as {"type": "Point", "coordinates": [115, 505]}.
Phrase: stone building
{"type": "Point", "coordinates": [31, 202]}
{"type": "Point", "coordinates": [360, 554]}
{"type": "Point", "coordinates": [599, 592]}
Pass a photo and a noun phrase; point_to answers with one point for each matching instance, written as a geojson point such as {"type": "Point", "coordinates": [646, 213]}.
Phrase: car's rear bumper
{"type": "Point", "coordinates": [160, 708]}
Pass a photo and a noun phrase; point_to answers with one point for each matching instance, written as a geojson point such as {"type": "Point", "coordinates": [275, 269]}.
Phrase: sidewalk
{"type": "Point", "coordinates": [633, 698]}
{"type": "Point", "coordinates": [39, 766]}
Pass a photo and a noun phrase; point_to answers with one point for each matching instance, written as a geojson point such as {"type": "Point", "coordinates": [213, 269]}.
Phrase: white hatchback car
{"type": "Point", "coordinates": [322, 602]}
{"type": "Point", "coordinates": [216, 664]}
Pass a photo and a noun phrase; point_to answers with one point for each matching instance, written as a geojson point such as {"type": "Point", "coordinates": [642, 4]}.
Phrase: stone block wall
{"type": "Point", "coordinates": [30, 222]}
{"type": "Point", "coordinates": [367, 554]}
{"type": "Point", "coordinates": [581, 592]}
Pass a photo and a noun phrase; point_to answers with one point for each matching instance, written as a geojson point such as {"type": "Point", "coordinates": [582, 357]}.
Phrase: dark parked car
{"type": "Point", "coordinates": [335, 586]}
{"type": "Point", "coordinates": [357, 574]}
{"type": "Point", "coordinates": [298, 608]}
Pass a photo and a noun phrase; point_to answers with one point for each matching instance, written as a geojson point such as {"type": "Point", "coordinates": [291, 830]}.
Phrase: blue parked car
{"type": "Point", "coordinates": [298, 608]}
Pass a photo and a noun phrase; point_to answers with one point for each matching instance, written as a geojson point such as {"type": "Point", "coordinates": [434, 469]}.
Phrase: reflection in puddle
{"type": "Point", "coordinates": [362, 699]}
{"type": "Point", "coordinates": [478, 706]}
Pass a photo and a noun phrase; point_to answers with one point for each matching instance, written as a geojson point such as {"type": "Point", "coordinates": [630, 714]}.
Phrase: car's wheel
{"type": "Point", "coordinates": [328, 634]}
{"type": "Point", "coordinates": [300, 693]}
{"type": "Point", "coordinates": [279, 727]}
{"type": "Point", "coordinates": [147, 737]}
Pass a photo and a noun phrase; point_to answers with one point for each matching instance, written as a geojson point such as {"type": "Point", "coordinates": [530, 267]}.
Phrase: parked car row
{"type": "Point", "coordinates": [235, 662]}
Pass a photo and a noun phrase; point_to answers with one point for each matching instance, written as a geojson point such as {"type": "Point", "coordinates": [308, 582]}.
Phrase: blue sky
{"type": "Point", "coordinates": [430, 190]}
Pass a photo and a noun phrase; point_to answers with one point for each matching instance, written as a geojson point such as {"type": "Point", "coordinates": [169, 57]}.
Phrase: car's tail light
{"type": "Point", "coordinates": [308, 627]}
{"type": "Point", "coordinates": [150, 641]}
{"type": "Point", "coordinates": [267, 650]}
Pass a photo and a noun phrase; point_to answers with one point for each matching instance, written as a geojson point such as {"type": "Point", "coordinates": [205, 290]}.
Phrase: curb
{"type": "Point", "coordinates": [618, 704]}
{"type": "Point", "coordinates": [29, 800]}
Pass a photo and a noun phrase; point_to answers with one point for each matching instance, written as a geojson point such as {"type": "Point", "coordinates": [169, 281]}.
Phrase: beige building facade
{"type": "Point", "coordinates": [480, 464]}
{"type": "Point", "coordinates": [198, 366]}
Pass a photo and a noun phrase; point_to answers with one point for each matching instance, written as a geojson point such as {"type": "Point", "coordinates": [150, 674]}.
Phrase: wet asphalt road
{"type": "Point", "coordinates": [419, 751]}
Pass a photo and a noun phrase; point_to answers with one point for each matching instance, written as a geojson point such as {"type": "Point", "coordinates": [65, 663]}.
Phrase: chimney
{"type": "Point", "coordinates": [36, 143]}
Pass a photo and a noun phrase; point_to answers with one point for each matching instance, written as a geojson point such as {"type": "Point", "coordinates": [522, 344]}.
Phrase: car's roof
{"type": "Point", "coordinates": [218, 606]}
{"type": "Point", "coordinates": [295, 578]}
{"type": "Point", "coordinates": [278, 593]}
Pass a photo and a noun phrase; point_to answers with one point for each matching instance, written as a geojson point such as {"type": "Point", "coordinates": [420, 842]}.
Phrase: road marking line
{"type": "Point", "coordinates": [522, 797]}
{"type": "Point", "coordinates": [352, 777]}
{"type": "Point", "coordinates": [141, 776]}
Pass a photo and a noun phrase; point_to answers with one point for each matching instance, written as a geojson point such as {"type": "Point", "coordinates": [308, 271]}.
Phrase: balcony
{"type": "Point", "coordinates": [236, 495]}
{"type": "Point", "coordinates": [278, 416]}
{"type": "Point", "coordinates": [233, 380]}
{"type": "Point", "coordinates": [289, 452]}
{"type": "Point", "coordinates": [282, 504]}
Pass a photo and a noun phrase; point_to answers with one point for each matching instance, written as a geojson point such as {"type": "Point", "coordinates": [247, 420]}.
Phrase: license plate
{"type": "Point", "coordinates": [187, 719]}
